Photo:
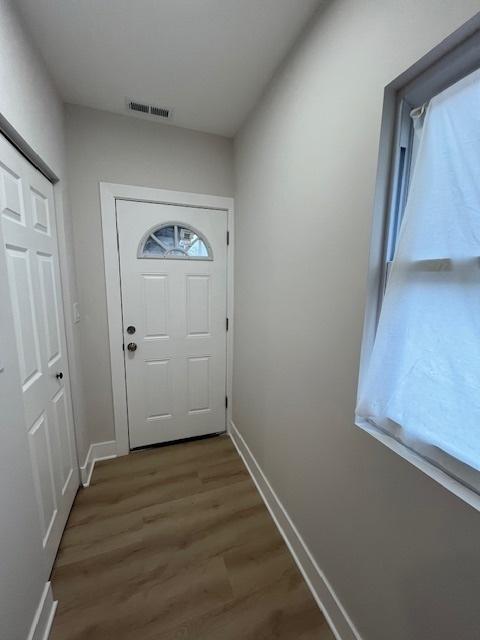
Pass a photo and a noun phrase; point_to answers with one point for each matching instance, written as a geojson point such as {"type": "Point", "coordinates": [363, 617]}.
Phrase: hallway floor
{"type": "Point", "coordinates": [175, 543]}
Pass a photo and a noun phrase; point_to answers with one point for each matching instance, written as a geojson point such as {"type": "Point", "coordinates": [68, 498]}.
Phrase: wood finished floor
{"type": "Point", "coordinates": [175, 543]}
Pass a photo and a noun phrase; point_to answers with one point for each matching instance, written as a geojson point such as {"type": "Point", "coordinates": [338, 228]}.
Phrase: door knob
{"type": "Point", "coordinates": [132, 346]}
{"type": "Point", "coordinates": [59, 375]}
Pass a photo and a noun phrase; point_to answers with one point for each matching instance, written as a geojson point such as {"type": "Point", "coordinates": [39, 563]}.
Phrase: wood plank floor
{"type": "Point", "coordinates": [175, 543]}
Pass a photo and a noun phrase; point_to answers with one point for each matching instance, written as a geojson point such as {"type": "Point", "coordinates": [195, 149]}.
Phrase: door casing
{"type": "Point", "coordinates": [109, 193]}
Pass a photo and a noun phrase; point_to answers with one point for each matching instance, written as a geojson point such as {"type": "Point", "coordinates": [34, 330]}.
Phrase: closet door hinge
{"type": "Point", "coordinates": [228, 238]}
{"type": "Point", "coordinates": [226, 323]}
{"type": "Point", "coordinates": [226, 402]}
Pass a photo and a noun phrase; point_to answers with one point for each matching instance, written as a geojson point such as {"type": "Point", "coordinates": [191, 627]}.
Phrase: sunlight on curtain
{"type": "Point", "coordinates": [423, 378]}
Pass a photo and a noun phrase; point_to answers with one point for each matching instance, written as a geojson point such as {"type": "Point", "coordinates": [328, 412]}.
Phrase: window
{"type": "Point", "coordinates": [419, 387]}
{"type": "Point", "coordinates": [175, 241]}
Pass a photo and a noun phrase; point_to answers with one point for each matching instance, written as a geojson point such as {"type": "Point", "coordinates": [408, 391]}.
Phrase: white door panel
{"type": "Point", "coordinates": [40, 451]}
{"type": "Point", "coordinates": [30, 244]}
{"type": "Point", "coordinates": [65, 448]}
{"type": "Point", "coordinates": [176, 376]}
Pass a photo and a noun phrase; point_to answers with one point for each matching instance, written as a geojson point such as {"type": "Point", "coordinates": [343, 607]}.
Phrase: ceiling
{"type": "Point", "coordinates": [208, 60]}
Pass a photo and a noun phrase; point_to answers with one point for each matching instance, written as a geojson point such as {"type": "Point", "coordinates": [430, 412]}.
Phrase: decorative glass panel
{"type": "Point", "coordinates": [175, 241]}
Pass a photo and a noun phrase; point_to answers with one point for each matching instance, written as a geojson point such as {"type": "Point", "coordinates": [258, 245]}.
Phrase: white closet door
{"type": "Point", "coordinates": [30, 245]}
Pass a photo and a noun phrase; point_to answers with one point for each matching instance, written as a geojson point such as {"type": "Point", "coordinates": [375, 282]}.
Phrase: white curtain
{"type": "Point", "coordinates": [422, 382]}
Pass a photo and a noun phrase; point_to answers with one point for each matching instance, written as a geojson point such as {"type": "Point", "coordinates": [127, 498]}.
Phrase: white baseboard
{"type": "Point", "coordinates": [317, 582]}
{"type": "Point", "coordinates": [97, 451]}
{"type": "Point", "coordinates": [43, 619]}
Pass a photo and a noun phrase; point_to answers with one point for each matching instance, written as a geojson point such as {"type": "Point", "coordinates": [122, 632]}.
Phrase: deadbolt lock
{"type": "Point", "coordinates": [131, 329]}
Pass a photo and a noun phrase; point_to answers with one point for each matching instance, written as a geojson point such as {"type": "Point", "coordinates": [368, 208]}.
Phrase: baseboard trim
{"type": "Point", "coordinates": [317, 582]}
{"type": "Point", "coordinates": [43, 619]}
{"type": "Point", "coordinates": [97, 451]}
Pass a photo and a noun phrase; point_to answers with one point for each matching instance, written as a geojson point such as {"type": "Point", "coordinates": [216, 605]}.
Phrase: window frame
{"type": "Point", "coordinates": [452, 60]}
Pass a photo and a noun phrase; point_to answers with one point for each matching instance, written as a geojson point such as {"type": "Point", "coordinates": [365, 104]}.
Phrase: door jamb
{"type": "Point", "coordinates": [109, 193]}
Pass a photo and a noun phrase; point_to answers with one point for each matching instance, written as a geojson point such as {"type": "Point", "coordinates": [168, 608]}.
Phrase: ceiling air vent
{"type": "Point", "coordinates": [160, 111]}
{"type": "Point", "coordinates": [152, 110]}
{"type": "Point", "coordinates": [138, 106]}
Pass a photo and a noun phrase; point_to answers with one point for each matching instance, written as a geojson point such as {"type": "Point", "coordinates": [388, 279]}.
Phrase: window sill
{"type": "Point", "coordinates": [450, 483]}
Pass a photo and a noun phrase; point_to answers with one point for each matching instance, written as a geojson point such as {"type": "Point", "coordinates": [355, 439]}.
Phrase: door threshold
{"type": "Point", "coordinates": [170, 443]}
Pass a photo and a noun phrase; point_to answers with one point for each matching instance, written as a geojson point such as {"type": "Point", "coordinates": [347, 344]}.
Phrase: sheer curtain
{"type": "Point", "coordinates": [422, 383]}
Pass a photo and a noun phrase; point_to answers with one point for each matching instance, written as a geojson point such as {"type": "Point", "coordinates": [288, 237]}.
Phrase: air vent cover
{"type": "Point", "coordinates": [138, 106]}
{"type": "Point", "coordinates": [153, 110]}
{"type": "Point", "coordinates": [160, 111]}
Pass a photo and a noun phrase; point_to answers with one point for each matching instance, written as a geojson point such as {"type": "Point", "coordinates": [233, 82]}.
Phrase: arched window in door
{"type": "Point", "coordinates": [175, 240]}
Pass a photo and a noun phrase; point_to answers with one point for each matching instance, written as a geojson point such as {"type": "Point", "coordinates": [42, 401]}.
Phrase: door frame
{"type": "Point", "coordinates": [109, 193]}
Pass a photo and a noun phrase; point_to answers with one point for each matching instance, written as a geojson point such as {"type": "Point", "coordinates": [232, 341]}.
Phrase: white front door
{"type": "Point", "coordinates": [30, 245]}
{"type": "Point", "coordinates": [173, 263]}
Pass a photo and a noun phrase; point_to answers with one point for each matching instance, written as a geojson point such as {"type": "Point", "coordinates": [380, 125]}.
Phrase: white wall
{"type": "Point", "coordinates": [28, 98]}
{"type": "Point", "coordinates": [30, 104]}
{"type": "Point", "coordinates": [401, 552]}
{"type": "Point", "coordinates": [114, 148]}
